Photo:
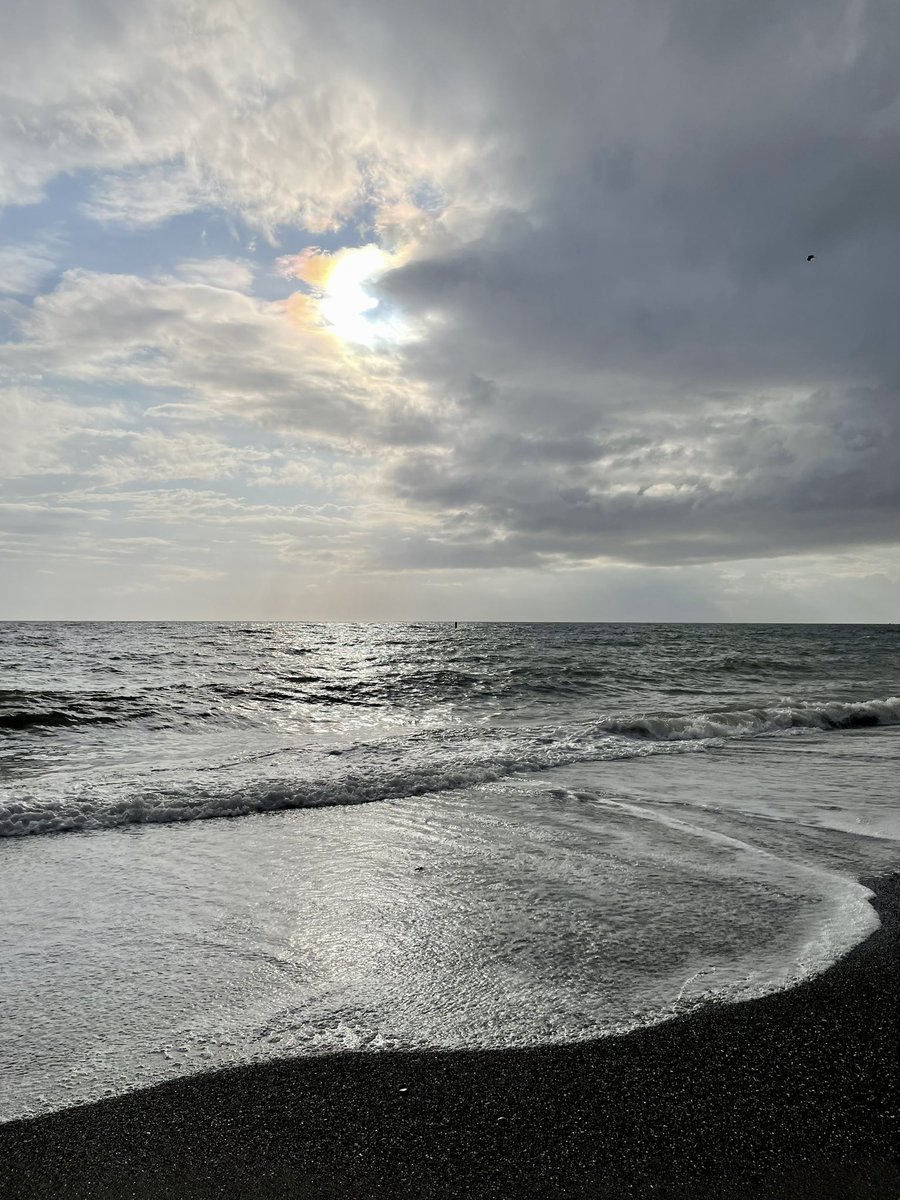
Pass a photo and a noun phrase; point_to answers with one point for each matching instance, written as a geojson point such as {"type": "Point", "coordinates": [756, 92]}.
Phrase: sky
{"type": "Point", "coordinates": [407, 310]}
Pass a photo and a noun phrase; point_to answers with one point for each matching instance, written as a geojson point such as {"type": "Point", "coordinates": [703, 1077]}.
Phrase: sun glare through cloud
{"type": "Point", "coordinates": [342, 297]}
{"type": "Point", "coordinates": [348, 307]}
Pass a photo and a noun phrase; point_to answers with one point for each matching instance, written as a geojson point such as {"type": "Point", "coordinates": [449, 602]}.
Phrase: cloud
{"type": "Point", "coordinates": [244, 357]}
{"type": "Point", "coordinates": [784, 473]}
{"type": "Point", "coordinates": [141, 196]}
{"type": "Point", "coordinates": [25, 265]}
{"type": "Point", "coordinates": [40, 430]}
{"type": "Point", "coordinates": [217, 272]}
{"type": "Point", "coordinates": [643, 365]}
{"type": "Point", "coordinates": [258, 108]}
{"type": "Point", "coordinates": [622, 358]}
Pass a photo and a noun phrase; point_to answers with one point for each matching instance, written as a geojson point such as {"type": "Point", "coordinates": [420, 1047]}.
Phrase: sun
{"type": "Point", "coordinates": [339, 298]}
{"type": "Point", "coordinates": [348, 308]}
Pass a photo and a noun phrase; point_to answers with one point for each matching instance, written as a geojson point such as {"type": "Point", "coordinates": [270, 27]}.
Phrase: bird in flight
{"type": "Point", "coordinates": [810, 257]}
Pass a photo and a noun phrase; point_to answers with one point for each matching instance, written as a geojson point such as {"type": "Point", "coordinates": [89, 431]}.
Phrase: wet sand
{"type": "Point", "coordinates": [793, 1095]}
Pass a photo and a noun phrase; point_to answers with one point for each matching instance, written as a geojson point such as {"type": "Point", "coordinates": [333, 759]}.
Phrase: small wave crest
{"type": "Point", "coordinates": [833, 715]}
{"type": "Point", "coordinates": [188, 802]}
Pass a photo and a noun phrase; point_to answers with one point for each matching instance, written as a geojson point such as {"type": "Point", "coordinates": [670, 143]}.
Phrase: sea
{"type": "Point", "coordinates": [224, 843]}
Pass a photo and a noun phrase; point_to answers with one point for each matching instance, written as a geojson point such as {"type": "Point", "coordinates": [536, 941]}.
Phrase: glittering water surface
{"type": "Point", "coordinates": [493, 835]}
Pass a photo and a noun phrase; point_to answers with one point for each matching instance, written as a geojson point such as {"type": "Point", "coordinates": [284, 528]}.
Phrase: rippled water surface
{"type": "Point", "coordinates": [490, 835]}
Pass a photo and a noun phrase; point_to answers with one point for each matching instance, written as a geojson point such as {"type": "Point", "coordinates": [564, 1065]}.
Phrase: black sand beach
{"type": "Point", "coordinates": [794, 1095]}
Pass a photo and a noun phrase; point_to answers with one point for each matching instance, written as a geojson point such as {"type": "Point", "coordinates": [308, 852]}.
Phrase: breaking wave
{"type": "Point", "coordinates": [749, 721]}
{"type": "Point", "coordinates": [382, 778]}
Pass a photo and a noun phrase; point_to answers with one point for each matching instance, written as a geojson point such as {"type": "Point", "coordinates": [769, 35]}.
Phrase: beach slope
{"type": "Point", "coordinates": [793, 1095]}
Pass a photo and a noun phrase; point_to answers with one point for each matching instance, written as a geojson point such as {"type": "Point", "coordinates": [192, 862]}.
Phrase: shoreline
{"type": "Point", "coordinates": [793, 1094]}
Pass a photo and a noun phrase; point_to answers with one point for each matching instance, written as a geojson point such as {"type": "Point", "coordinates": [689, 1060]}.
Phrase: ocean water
{"type": "Point", "coordinates": [222, 842]}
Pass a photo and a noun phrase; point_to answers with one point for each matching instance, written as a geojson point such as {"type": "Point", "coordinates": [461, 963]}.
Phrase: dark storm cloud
{"type": "Point", "coordinates": [641, 362]}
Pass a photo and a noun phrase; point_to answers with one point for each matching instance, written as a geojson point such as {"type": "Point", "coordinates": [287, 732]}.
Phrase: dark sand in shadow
{"type": "Point", "coordinates": [794, 1095]}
